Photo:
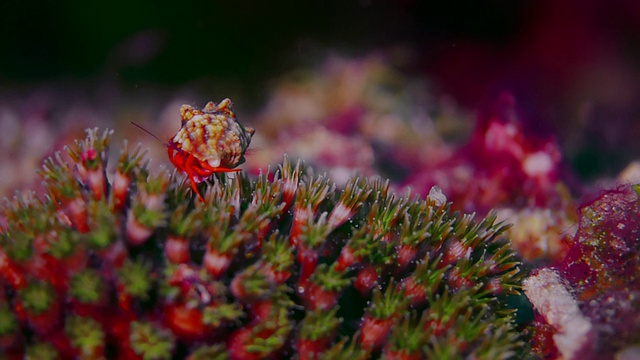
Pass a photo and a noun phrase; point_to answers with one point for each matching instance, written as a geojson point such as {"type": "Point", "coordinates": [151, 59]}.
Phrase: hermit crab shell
{"type": "Point", "coordinates": [213, 135]}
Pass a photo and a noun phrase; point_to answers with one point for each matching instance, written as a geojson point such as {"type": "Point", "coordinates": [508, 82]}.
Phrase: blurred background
{"type": "Point", "coordinates": [374, 72]}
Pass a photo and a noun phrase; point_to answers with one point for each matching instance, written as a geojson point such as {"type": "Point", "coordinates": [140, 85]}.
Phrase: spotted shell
{"type": "Point", "coordinates": [213, 135]}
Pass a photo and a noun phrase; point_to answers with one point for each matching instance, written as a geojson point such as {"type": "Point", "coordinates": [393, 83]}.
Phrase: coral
{"type": "Point", "coordinates": [587, 304]}
{"type": "Point", "coordinates": [502, 164]}
{"type": "Point", "coordinates": [539, 234]}
{"type": "Point", "coordinates": [132, 265]}
{"type": "Point", "coordinates": [508, 168]}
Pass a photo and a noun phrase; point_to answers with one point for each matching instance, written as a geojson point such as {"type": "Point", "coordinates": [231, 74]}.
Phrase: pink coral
{"type": "Point", "coordinates": [501, 165]}
{"type": "Point", "coordinates": [588, 304]}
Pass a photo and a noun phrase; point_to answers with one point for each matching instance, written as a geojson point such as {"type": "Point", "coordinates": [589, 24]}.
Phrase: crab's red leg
{"type": "Point", "coordinates": [188, 168]}
{"type": "Point", "coordinates": [218, 169]}
{"type": "Point", "coordinates": [170, 152]}
{"type": "Point", "coordinates": [177, 158]}
{"type": "Point", "coordinates": [198, 170]}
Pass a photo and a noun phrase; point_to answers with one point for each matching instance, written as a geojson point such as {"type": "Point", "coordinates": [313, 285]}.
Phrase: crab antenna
{"type": "Point", "coordinates": [165, 143]}
{"type": "Point", "coordinates": [147, 131]}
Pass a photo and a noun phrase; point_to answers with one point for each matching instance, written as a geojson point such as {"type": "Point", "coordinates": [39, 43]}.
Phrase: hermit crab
{"type": "Point", "coordinates": [209, 141]}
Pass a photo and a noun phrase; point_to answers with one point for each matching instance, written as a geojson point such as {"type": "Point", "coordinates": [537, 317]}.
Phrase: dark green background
{"type": "Point", "coordinates": [240, 39]}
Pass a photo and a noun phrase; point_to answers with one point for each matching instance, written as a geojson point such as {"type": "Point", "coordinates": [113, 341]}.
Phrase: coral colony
{"type": "Point", "coordinates": [134, 265]}
{"type": "Point", "coordinates": [207, 262]}
{"type": "Point", "coordinates": [504, 168]}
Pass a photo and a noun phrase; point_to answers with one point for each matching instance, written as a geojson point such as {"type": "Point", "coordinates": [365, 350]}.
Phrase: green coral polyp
{"type": "Point", "coordinates": [63, 243]}
{"type": "Point", "coordinates": [296, 246]}
{"type": "Point", "coordinates": [151, 342]}
{"type": "Point", "coordinates": [8, 321]}
{"type": "Point", "coordinates": [41, 351]}
{"type": "Point", "coordinates": [408, 335]}
{"type": "Point", "coordinates": [330, 279]}
{"type": "Point", "coordinates": [278, 253]}
{"type": "Point", "coordinates": [103, 225]}
{"type": "Point", "coordinates": [254, 283]}
{"type": "Point", "coordinates": [213, 352]}
{"type": "Point", "coordinates": [37, 297]}
{"type": "Point", "coordinates": [86, 334]}
{"type": "Point", "coordinates": [219, 313]}
{"type": "Point", "coordinates": [277, 326]}
{"type": "Point", "coordinates": [320, 324]}
{"type": "Point", "coordinates": [18, 244]}
{"type": "Point", "coordinates": [59, 179]}
{"type": "Point", "coordinates": [87, 286]}
{"type": "Point", "coordinates": [184, 223]}
{"type": "Point", "coordinates": [388, 305]}
{"type": "Point", "coordinates": [136, 279]}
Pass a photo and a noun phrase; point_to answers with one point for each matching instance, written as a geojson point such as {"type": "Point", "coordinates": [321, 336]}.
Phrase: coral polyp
{"type": "Point", "coordinates": [132, 265]}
